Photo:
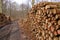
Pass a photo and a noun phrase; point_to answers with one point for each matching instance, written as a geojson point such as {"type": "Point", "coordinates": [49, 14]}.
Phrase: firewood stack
{"type": "Point", "coordinates": [4, 19]}
{"type": "Point", "coordinates": [44, 21]}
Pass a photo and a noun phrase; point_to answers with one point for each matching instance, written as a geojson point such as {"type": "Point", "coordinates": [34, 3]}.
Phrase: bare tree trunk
{"type": "Point", "coordinates": [33, 1]}
{"type": "Point", "coordinates": [0, 6]}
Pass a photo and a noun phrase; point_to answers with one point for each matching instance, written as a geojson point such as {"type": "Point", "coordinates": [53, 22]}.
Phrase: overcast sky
{"type": "Point", "coordinates": [19, 1]}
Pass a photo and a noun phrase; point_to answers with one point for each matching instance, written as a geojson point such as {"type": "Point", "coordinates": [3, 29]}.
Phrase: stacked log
{"type": "Point", "coordinates": [4, 19]}
{"type": "Point", "coordinates": [44, 21]}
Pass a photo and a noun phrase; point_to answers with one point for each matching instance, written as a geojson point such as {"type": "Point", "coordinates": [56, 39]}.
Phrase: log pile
{"type": "Point", "coordinates": [44, 21]}
{"type": "Point", "coordinates": [3, 20]}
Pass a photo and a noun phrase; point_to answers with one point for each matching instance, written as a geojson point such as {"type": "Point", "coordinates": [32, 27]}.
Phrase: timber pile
{"type": "Point", "coordinates": [44, 21]}
{"type": "Point", "coordinates": [4, 20]}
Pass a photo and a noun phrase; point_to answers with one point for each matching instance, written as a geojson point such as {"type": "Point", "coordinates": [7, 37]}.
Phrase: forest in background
{"type": "Point", "coordinates": [18, 11]}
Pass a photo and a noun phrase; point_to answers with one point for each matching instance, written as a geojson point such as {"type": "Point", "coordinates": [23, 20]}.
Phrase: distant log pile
{"type": "Point", "coordinates": [4, 19]}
